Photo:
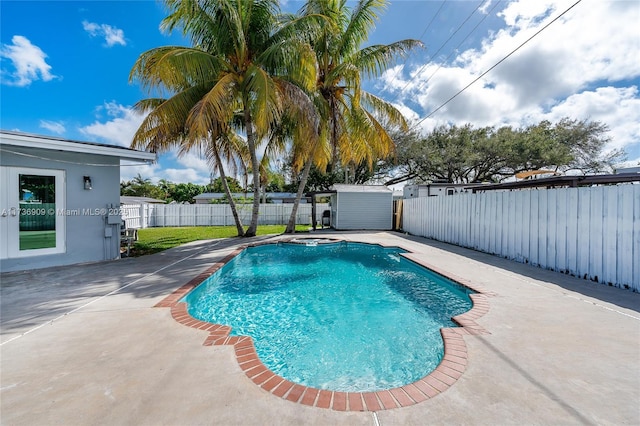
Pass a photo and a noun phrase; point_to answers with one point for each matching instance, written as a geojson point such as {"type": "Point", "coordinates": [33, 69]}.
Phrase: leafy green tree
{"type": "Point", "coordinates": [184, 192]}
{"type": "Point", "coordinates": [125, 186]}
{"type": "Point", "coordinates": [141, 187]}
{"type": "Point", "coordinates": [586, 141]}
{"type": "Point", "coordinates": [537, 148]}
{"type": "Point", "coordinates": [232, 183]}
{"type": "Point", "coordinates": [166, 187]}
{"type": "Point", "coordinates": [275, 181]}
{"type": "Point", "coordinates": [467, 155]}
{"type": "Point", "coordinates": [319, 180]}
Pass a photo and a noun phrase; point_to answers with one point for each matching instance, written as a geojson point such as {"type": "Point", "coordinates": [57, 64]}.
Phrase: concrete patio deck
{"type": "Point", "coordinates": [84, 344]}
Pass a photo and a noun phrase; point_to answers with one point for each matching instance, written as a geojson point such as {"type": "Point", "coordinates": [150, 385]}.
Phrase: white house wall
{"type": "Point", "coordinates": [86, 234]}
{"type": "Point", "coordinates": [589, 232]}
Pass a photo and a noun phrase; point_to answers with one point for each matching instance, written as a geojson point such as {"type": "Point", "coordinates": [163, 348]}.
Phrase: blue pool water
{"type": "Point", "coordinates": [345, 317]}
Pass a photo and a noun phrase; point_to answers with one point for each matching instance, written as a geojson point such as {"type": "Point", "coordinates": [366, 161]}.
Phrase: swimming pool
{"type": "Point", "coordinates": [347, 317]}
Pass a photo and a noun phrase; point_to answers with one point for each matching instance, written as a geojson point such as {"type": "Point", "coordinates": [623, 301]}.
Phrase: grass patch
{"type": "Point", "coordinates": [154, 240]}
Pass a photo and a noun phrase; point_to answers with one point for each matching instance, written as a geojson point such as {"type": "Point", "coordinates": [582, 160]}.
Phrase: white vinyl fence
{"type": "Point", "coordinates": [139, 216]}
{"type": "Point", "coordinates": [589, 232]}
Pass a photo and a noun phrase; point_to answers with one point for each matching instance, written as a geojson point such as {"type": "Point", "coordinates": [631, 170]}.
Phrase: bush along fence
{"type": "Point", "coordinates": [589, 232]}
{"type": "Point", "coordinates": [139, 216]}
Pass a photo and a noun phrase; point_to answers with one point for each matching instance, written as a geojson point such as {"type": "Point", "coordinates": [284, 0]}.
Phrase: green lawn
{"type": "Point", "coordinates": [153, 240]}
{"type": "Point", "coordinates": [30, 240]}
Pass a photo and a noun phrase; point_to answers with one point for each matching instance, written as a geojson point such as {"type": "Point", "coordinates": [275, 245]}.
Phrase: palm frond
{"type": "Point", "coordinates": [146, 105]}
{"type": "Point", "coordinates": [207, 24]}
{"type": "Point", "coordinates": [213, 112]}
{"type": "Point", "coordinates": [384, 110]}
{"type": "Point", "coordinates": [374, 60]}
{"type": "Point", "coordinates": [362, 21]}
{"type": "Point", "coordinates": [262, 97]}
{"type": "Point", "coordinates": [175, 68]}
{"type": "Point", "coordinates": [293, 59]}
{"type": "Point", "coordinates": [349, 75]}
{"type": "Point", "coordinates": [164, 127]}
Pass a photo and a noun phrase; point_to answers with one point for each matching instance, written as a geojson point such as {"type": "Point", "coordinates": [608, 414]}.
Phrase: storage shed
{"type": "Point", "coordinates": [59, 200]}
{"type": "Point", "coordinates": [362, 207]}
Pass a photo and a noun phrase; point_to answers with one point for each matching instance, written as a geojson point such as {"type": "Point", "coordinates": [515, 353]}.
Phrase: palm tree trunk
{"type": "Point", "coordinates": [251, 142]}
{"type": "Point", "coordinates": [291, 225]}
{"type": "Point", "coordinates": [227, 191]}
{"type": "Point", "coordinates": [333, 125]}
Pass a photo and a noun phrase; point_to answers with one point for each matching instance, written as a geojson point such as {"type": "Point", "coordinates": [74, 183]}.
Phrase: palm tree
{"type": "Point", "coordinates": [354, 122]}
{"type": "Point", "coordinates": [257, 59]}
{"type": "Point", "coordinates": [244, 64]}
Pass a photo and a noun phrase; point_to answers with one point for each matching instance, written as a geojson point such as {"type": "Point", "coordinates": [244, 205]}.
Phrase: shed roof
{"type": "Point", "coordinates": [361, 188]}
{"type": "Point", "coordinates": [27, 140]}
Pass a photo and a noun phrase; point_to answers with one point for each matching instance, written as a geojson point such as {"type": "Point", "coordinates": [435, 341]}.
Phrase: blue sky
{"type": "Point", "coordinates": [65, 68]}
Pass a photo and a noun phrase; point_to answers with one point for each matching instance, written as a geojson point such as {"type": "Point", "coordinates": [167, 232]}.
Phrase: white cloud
{"type": "Point", "coordinates": [119, 129]}
{"type": "Point", "coordinates": [28, 60]}
{"type": "Point", "coordinates": [583, 66]}
{"type": "Point", "coordinates": [194, 161]}
{"type": "Point", "coordinates": [112, 35]}
{"type": "Point", "coordinates": [195, 168]}
{"type": "Point", "coordinates": [185, 176]}
{"type": "Point", "coordinates": [147, 171]}
{"type": "Point", "coordinates": [617, 107]}
{"type": "Point", "coordinates": [56, 127]}
{"type": "Point", "coordinates": [115, 125]}
{"type": "Point", "coordinates": [483, 9]}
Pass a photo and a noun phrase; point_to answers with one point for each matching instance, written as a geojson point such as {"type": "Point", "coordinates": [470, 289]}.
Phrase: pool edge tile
{"type": "Point", "coordinates": [310, 396]}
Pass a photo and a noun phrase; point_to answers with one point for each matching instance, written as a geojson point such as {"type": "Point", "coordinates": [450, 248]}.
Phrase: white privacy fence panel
{"type": "Point", "coordinates": [131, 215]}
{"type": "Point", "coordinates": [589, 232]}
{"type": "Point", "coordinates": [160, 215]}
{"type": "Point", "coordinates": [136, 216]}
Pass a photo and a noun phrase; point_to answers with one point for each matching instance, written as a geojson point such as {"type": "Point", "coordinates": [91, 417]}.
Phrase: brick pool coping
{"type": "Point", "coordinates": [449, 370]}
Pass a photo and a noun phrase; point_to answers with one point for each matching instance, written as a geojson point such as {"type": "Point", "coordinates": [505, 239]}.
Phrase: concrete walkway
{"type": "Point", "coordinates": [84, 345]}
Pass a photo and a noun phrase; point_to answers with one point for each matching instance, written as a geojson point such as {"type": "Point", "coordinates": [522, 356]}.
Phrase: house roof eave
{"type": "Point", "coordinates": [25, 140]}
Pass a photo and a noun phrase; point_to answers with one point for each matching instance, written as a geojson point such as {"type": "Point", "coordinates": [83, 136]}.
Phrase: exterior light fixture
{"type": "Point", "coordinates": [87, 183]}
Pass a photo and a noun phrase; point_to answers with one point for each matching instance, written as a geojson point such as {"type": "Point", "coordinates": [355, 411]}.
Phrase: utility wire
{"type": "Point", "coordinates": [422, 68]}
{"type": "Point", "coordinates": [421, 37]}
{"type": "Point", "coordinates": [495, 65]}
{"type": "Point", "coordinates": [455, 49]}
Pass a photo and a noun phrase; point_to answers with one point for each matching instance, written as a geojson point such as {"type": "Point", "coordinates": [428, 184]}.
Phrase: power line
{"type": "Point", "coordinates": [459, 44]}
{"type": "Point", "coordinates": [421, 37]}
{"type": "Point", "coordinates": [495, 65]}
{"type": "Point", "coordinates": [422, 68]}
